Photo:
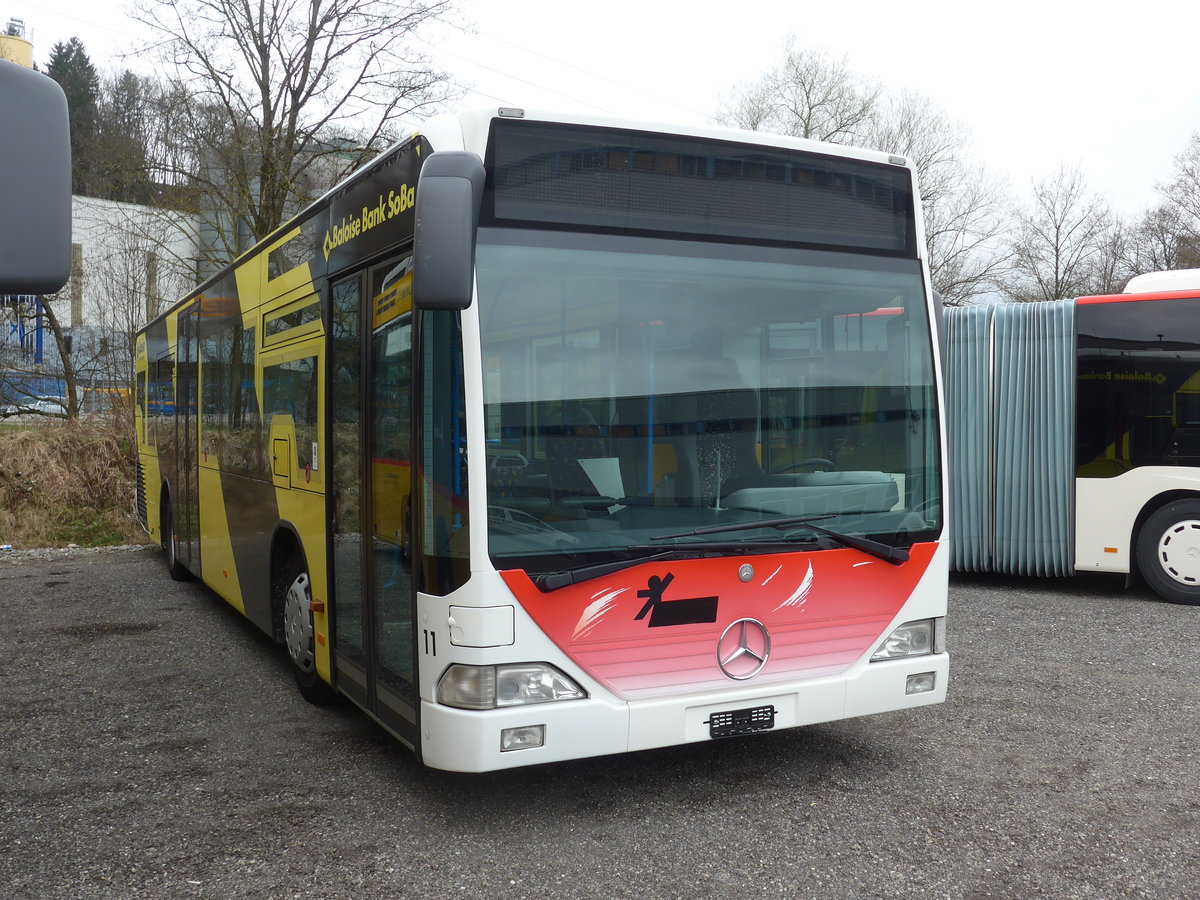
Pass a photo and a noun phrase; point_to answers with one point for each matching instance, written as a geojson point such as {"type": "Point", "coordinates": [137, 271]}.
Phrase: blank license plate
{"type": "Point", "coordinates": [736, 722]}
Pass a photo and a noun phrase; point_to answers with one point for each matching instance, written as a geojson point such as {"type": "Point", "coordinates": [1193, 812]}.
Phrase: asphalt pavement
{"type": "Point", "coordinates": [154, 745]}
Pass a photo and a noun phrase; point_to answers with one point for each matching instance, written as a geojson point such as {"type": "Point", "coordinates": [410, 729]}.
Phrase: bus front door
{"type": "Point", "coordinates": [370, 401]}
{"type": "Point", "coordinates": [184, 502]}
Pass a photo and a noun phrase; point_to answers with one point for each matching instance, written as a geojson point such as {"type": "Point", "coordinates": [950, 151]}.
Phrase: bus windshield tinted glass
{"type": "Point", "coordinates": [635, 388]}
{"type": "Point", "coordinates": [549, 173]}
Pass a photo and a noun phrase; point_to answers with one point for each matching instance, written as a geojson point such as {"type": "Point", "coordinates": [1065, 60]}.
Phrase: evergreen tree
{"type": "Point", "coordinates": [70, 67]}
{"type": "Point", "coordinates": [123, 135]}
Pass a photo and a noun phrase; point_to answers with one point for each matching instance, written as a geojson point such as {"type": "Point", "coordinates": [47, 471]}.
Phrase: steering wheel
{"type": "Point", "coordinates": [814, 462]}
{"type": "Point", "coordinates": [510, 459]}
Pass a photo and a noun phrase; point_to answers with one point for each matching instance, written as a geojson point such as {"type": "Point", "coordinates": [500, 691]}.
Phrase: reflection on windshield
{"type": "Point", "coordinates": [636, 387]}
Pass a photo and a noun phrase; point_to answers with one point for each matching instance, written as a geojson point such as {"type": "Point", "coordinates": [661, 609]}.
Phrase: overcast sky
{"type": "Point", "coordinates": [1039, 83]}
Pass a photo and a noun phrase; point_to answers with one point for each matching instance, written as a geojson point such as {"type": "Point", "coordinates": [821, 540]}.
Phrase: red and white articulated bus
{"type": "Point", "coordinates": [1075, 434]}
{"type": "Point", "coordinates": [548, 437]}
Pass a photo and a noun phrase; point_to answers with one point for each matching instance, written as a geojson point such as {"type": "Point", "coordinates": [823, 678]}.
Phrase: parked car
{"type": "Point", "coordinates": [50, 405]}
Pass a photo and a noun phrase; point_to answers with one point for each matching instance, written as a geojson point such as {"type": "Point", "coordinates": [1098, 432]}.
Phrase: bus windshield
{"type": "Point", "coordinates": [641, 387]}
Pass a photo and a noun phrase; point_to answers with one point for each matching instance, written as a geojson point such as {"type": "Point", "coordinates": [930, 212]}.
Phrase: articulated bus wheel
{"type": "Point", "coordinates": [1168, 552]}
{"type": "Point", "coordinates": [298, 638]}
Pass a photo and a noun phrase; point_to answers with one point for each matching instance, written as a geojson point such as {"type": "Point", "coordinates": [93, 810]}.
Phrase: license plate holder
{"type": "Point", "coordinates": [736, 722]}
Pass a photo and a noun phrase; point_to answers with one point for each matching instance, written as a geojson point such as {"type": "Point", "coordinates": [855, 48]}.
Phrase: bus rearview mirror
{"type": "Point", "coordinates": [449, 192]}
{"type": "Point", "coordinates": [35, 183]}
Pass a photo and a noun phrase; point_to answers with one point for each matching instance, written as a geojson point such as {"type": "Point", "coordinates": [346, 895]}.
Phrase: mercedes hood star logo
{"type": "Point", "coordinates": [743, 649]}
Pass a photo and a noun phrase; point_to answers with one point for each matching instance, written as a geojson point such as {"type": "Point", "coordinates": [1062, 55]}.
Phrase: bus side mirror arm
{"type": "Point", "coordinates": [449, 191]}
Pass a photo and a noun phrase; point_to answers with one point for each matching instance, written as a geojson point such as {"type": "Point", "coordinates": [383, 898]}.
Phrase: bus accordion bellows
{"type": "Point", "coordinates": [1074, 435]}
{"type": "Point", "coordinates": [541, 438]}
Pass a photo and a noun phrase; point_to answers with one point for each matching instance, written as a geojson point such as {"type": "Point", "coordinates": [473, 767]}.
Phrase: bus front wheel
{"type": "Point", "coordinates": [298, 636]}
{"type": "Point", "coordinates": [1168, 551]}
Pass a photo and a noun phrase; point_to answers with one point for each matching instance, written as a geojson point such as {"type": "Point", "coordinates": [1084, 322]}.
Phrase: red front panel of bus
{"type": "Point", "coordinates": [653, 630]}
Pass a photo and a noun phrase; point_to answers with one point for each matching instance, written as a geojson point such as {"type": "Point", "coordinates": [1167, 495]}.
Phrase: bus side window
{"type": "Point", "coordinates": [291, 388]}
{"type": "Point", "coordinates": [444, 519]}
{"type": "Point", "coordinates": [141, 405]}
{"type": "Point", "coordinates": [162, 402]}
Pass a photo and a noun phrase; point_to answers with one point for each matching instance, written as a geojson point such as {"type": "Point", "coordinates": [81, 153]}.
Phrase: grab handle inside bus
{"type": "Point", "coordinates": [448, 196]}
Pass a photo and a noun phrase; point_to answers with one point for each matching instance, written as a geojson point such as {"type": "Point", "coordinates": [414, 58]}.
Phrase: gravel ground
{"type": "Point", "coordinates": [153, 745]}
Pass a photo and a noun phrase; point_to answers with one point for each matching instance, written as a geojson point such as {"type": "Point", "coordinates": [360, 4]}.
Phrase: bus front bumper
{"type": "Point", "coordinates": [471, 741]}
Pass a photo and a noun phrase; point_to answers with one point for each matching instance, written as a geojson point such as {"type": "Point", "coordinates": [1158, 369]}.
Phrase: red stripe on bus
{"type": "Point", "coordinates": [1132, 298]}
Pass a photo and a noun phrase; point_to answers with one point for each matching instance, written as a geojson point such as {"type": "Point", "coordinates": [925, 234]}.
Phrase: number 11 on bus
{"type": "Point", "coordinates": [543, 437]}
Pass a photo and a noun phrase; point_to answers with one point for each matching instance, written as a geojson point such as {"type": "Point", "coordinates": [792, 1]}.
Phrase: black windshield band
{"type": "Point", "coordinates": [636, 182]}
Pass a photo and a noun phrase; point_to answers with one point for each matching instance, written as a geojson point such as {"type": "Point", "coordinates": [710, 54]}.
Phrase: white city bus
{"type": "Point", "coordinates": [550, 437]}
{"type": "Point", "coordinates": [1075, 434]}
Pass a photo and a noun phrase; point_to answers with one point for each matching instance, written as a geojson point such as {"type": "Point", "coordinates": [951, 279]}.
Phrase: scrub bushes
{"type": "Point", "coordinates": [68, 483]}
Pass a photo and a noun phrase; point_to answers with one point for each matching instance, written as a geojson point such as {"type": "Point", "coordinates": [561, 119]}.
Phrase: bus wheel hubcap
{"type": "Point", "coordinates": [1179, 552]}
{"type": "Point", "coordinates": [297, 623]}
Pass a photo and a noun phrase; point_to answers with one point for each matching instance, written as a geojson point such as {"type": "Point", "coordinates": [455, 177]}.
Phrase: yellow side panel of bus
{"type": "Point", "coordinates": [300, 489]}
{"type": "Point", "coordinates": [216, 548]}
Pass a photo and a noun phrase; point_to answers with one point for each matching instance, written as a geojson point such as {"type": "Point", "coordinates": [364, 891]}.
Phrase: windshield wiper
{"type": "Point", "coordinates": [550, 581]}
{"type": "Point", "coordinates": [886, 552]}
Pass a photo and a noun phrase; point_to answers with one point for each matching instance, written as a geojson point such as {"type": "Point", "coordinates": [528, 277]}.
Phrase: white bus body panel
{"type": "Point", "coordinates": [469, 740]}
{"type": "Point", "coordinates": [1153, 282]}
{"type": "Point", "coordinates": [1107, 508]}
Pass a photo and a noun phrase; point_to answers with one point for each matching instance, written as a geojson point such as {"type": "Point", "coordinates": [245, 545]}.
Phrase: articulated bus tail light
{"type": "Point", "coordinates": [492, 687]}
{"type": "Point", "coordinates": [920, 638]}
{"type": "Point", "coordinates": [511, 112]}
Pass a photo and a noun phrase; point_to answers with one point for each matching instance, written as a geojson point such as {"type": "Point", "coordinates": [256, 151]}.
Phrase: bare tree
{"type": "Point", "coordinates": [1113, 264]}
{"type": "Point", "coordinates": [964, 232]}
{"type": "Point", "coordinates": [1184, 191]}
{"type": "Point", "coordinates": [129, 278]}
{"type": "Point", "coordinates": [812, 95]}
{"type": "Point", "coordinates": [1177, 222]}
{"type": "Point", "coordinates": [263, 89]}
{"type": "Point", "coordinates": [962, 204]}
{"type": "Point", "coordinates": [1059, 240]}
{"type": "Point", "coordinates": [809, 95]}
{"type": "Point", "coordinates": [29, 381]}
{"type": "Point", "coordinates": [1163, 240]}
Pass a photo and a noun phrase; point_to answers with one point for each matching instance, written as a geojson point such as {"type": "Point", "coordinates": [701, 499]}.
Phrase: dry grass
{"type": "Point", "coordinates": [68, 483]}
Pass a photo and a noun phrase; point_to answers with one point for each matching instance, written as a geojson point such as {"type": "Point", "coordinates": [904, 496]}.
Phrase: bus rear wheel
{"type": "Point", "coordinates": [298, 636]}
{"type": "Point", "coordinates": [1168, 551]}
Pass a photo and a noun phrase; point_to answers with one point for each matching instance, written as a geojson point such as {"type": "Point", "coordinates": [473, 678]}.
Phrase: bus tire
{"type": "Point", "coordinates": [1168, 551]}
{"type": "Point", "coordinates": [298, 634]}
{"type": "Point", "coordinates": [175, 568]}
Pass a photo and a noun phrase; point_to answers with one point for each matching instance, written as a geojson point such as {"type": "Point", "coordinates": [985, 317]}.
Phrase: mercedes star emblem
{"type": "Point", "coordinates": [743, 649]}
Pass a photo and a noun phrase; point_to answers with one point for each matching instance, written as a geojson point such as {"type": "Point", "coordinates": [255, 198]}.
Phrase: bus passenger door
{"type": "Point", "coordinates": [184, 501]}
{"type": "Point", "coordinates": [370, 401]}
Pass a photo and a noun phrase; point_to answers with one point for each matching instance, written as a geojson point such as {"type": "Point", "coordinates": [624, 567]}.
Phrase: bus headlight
{"type": "Point", "coordinates": [918, 638]}
{"type": "Point", "coordinates": [517, 684]}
